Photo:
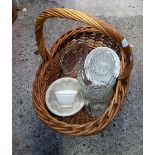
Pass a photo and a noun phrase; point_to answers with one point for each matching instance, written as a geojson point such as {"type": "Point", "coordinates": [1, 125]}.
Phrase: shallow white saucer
{"type": "Point", "coordinates": [52, 103]}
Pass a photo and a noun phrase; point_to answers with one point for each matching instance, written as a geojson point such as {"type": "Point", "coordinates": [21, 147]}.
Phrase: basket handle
{"type": "Point", "coordinates": [73, 15]}
{"type": "Point", "coordinates": [82, 17]}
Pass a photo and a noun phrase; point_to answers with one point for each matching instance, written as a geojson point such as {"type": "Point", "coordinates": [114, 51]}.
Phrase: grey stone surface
{"type": "Point", "coordinates": [124, 136]}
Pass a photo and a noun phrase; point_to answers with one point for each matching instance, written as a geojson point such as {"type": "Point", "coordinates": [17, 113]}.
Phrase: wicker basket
{"type": "Point", "coordinates": [98, 34]}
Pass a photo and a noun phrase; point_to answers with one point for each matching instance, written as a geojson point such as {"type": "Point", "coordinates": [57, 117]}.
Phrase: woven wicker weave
{"type": "Point", "coordinates": [98, 34]}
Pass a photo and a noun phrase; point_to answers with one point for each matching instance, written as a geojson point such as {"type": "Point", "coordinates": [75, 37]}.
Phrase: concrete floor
{"type": "Point", "coordinates": [124, 136]}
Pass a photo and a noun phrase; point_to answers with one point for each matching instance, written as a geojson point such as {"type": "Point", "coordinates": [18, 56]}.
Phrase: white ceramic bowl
{"type": "Point", "coordinates": [66, 97]}
{"type": "Point", "coordinates": [61, 87]}
{"type": "Point", "coordinates": [102, 64]}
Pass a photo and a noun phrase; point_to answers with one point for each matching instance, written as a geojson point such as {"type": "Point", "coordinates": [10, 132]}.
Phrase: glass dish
{"type": "Point", "coordinates": [74, 58]}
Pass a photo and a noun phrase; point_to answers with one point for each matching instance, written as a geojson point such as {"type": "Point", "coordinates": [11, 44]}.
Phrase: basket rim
{"type": "Point", "coordinates": [76, 126]}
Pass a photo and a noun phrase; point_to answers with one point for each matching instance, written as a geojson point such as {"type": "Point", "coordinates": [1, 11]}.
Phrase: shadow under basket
{"type": "Point", "coordinates": [99, 33]}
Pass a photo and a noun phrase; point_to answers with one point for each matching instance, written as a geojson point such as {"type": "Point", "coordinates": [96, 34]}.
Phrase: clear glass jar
{"type": "Point", "coordinates": [97, 95]}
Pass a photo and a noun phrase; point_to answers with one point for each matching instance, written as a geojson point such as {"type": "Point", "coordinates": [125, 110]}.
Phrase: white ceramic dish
{"type": "Point", "coordinates": [52, 103]}
{"type": "Point", "coordinates": [102, 64]}
{"type": "Point", "coordinates": [66, 98]}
